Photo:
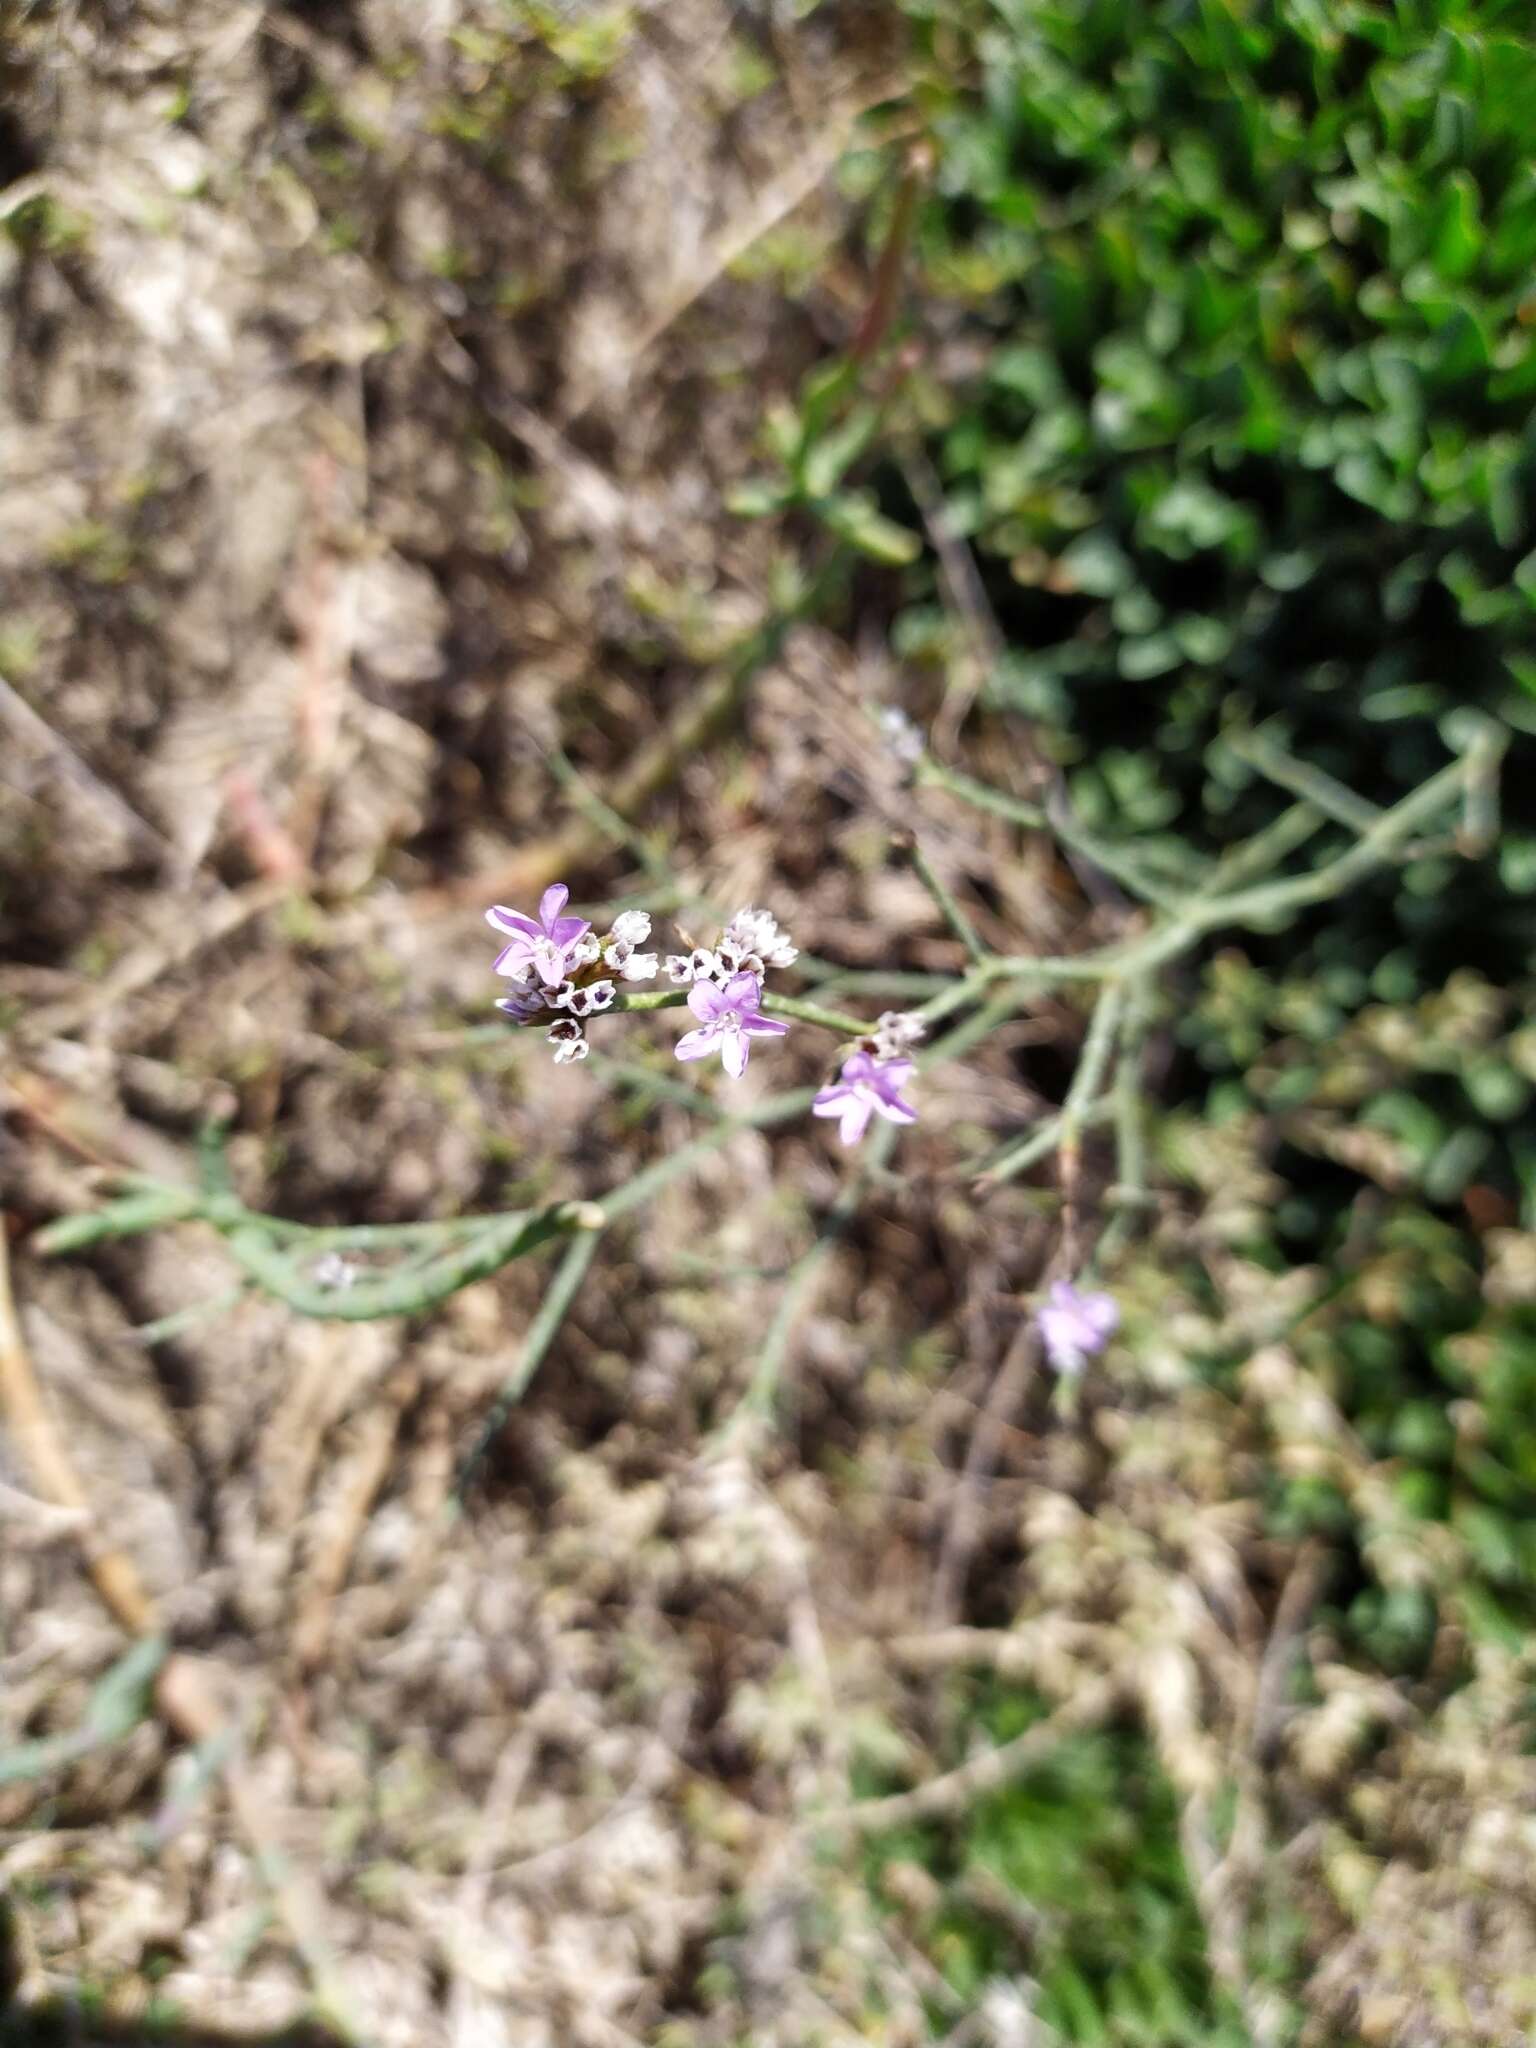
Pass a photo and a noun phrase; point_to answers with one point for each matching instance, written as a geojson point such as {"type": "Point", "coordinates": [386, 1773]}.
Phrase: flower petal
{"type": "Point", "coordinates": [565, 931]}
{"type": "Point", "coordinates": [551, 903]}
{"type": "Point", "coordinates": [707, 1002]}
{"type": "Point", "coordinates": [516, 959]}
{"type": "Point", "coordinates": [761, 1026]}
{"type": "Point", "coordinates": [894, 1110]}
{"type": "Point", "coordinates": [733, 1053]}
{"type": "Point", "coordinates": [743, 992]}
{"type": "Point", "coordinates": [855, 1120]}
{"type": "Point", "coordinates": [832, 1101]}
{"type": "Point", "coordinates": [1102, 1313]}
{"type": "Point", "coordinates": [696, 1045]}
{"type": "Point", "coordinates": [512, 922]}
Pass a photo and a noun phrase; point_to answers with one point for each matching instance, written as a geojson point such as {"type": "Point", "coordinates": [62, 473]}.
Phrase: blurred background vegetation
{"type": "Point", "coordinates": [1153, 404]}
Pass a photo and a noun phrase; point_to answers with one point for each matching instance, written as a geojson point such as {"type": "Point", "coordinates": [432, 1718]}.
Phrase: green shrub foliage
{"type": "Point", "coordinates": [1232, 368]}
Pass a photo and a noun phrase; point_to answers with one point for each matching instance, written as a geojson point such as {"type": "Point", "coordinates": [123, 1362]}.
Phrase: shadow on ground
{"type": "Point", "coordinates": [59, 2023]}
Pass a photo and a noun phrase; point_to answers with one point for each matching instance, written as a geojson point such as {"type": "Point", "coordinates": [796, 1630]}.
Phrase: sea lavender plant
{"type": "Point", "coordinates": [562, 973]}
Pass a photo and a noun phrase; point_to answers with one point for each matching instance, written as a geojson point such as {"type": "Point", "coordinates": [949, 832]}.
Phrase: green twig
{"type": "Point", "coordinates": [164, 1328]}
{"type": "Point", "coordinates": [1325, 794]}
{"type": "Point", "coordinates": [1265, 851]}
{"type": "Point", "coordinates": [757, 1403]}
{"type": "Point", "coordinates": [774, 1006]}
{"type": "Point", "coordinates": [1129, 1108]}
{"type": "Point", "coordinates": [1123, 863]}
{"type": "Point", "coordinates": [542, 1331]}
{"type": "Point", "coordinates": [944, 897]}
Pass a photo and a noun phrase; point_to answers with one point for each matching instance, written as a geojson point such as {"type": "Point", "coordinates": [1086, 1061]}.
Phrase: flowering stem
{"type": "Point", "coordinates": [812, 1013]}
{"type": "Point", "coordinates": [438, 1257]}
{"type": "Point", "coordinates": [1324, 794]}
{"type": "Point", "coordinates": [1125, 865]}
{"type": "Point", "coordinates": [1098, 1048]}
{"type": "Point", "coordinates": [944, 897]}
{"type": "Point", "coordinates": [1261, 904]}
{"type": "Point", "coordinates": [542, 1331]}
{"type": "Point", "coordinates": [757, 1403]}
{"type": "Point", "coordinates": [1128, 1104]}
{"type": "Point", "coordinates": [774, 1006]}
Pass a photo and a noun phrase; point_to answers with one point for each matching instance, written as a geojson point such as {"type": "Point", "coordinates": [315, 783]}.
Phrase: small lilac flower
{"type": "Point", "coordinates": [728, 1017]}
{"type": "Point", "coordinates": [1074, 1326]}
{"type": "Point", "coordinates": [545, 950]}
{"type": "Point", "coordinates": [866, 1087]}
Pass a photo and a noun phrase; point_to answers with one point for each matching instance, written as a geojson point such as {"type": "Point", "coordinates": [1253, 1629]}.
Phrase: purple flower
{"type": "Point", "coordinates": [866, 1087]}
{"type": "Point", "coordinates": [543, 951]}
{"type": "Point", "coordinates": [728, 1017]}
{"type": "Point", "coordinates": [1074, 1326]}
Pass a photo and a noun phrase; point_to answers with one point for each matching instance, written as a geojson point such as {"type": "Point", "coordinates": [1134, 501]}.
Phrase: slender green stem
{"type": "Point", "coordinates": [1098, 1045]}
{"type": "Point", "coordinates": [495, 1241]}
{"type": "Point", "coordinates": [773, 1006]}
{"type": "Point", "coordinates": [1098, 1049]}
{"type": "Point", "coordinates": [638, 1190]}
{"type": "Point", "coordinates": [1320, 790]}
{"type": "Point", "coordinates": [660, 1086]}
{"type": "Point", "coordinates": [948, 905]}
{"type": "Point", "coordinates": [1129, 1108]}
{"type": "Point", "coordinates": [542, 1331]}
{"type": "Point", "coordinates": [1265, 851]}
{"type": "Point", "coordinates": [128, 1217]}
{"type": "Point", "coordinates": [985, 798]}
{"type": "Point", "coordinates": [1122, 862]}
{"type": "Point", "coordinates": [826, 974]}
{"type": "Point", "coordinates": [814, 1013]}
{"type": "Point", "coordinates": [607, 820]}
{"type": "Point", "coordinates": [117, 1704]}
{"type": "Point", "coordinates": [1480, 804]}
{"type": "Point", "coordinates": [1020, 1154]}
{"type": "Point", "coordinates": [973, 1029]}
{"type": "Point", "coordinates": [757, 1403]}
{"type": "Point", "coordinates": [192, 1317]}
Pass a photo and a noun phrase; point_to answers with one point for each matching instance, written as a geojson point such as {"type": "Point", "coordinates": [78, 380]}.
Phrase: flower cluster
{"type": "Point", "coordinates": [562, 973]}
{"type": "Point", "coordinates": [751, 943]}
{"type": "Point", "coordinates": [561, 969]}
